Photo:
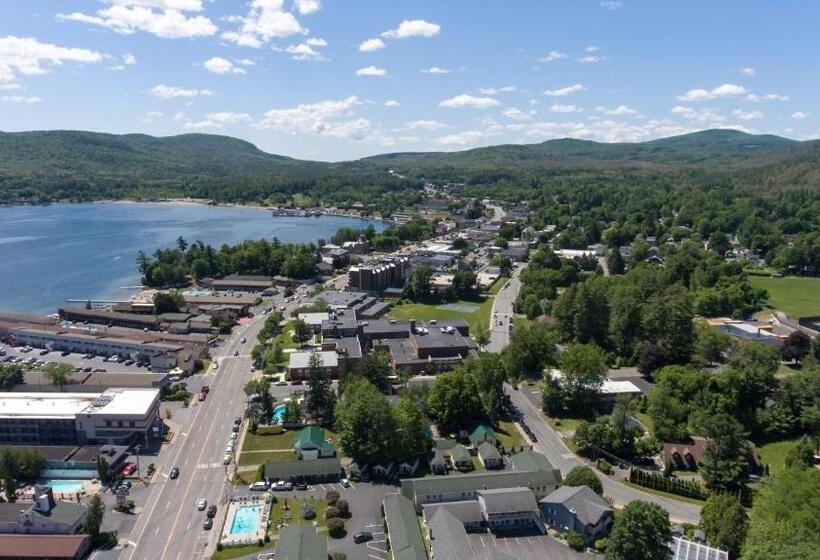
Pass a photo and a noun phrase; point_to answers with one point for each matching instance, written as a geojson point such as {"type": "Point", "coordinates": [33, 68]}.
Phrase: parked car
{"type": "Point", "coordinates": [174, 473]}
{"type": "Point", "coordinates": [205, 389]}
{"type": "Point", "coordinates": [345, 482]}
{"type": "Point", "coordinates": [235, 428]}
{"type": "Point", "coordinates": [226, 460]}
{"type": "Point", "coordinates": [236, 353]}
{"type": "Point", "coordinates": [362, 536]}
{"type": "Point", "coordinates": [259, 486]}
{"type": "Point", "coordinates": [282, 486]}
{"type": "Point", "coordinates": [129, 362]}
{"type": "Point", "coordinates": [243, 340]}
{"type": "Point", "coordinates": [128, 469]}
{"type": "Point", "coordinates": [237, 420]}
{"type": "Point", "coordinates": [43, 352]}
{"type": "Point", "coordinates": [301, 486]}
{"type": "Point", "coordinates": [202, 396]}
{"type": "Point", "coordinates": [202, 504]}
{"type": "Point", "coordinates": [208, 524]}
{"type": "Point", "coordinates": [281, 383]}
{"type": "Point", "coordinates": [211, 511]}
{"type": "Point", "coordinates": [298, 382]}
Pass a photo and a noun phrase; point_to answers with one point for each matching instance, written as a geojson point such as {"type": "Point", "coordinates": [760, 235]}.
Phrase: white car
{"type": "Point", "coordinates": [260, 486]}
{"type": "Point", "coordinates": [226, 460]}
{"type": "Point", "coordinates": [243, 340]}
{"type": "Point", "coordinates": [345, 482]}
{"type": "Point", "coordinates": [281, 383]}
{"type": "Point", "coordinates": [282, 486]}
{"type": "Point", "coordinates": [202, 504]}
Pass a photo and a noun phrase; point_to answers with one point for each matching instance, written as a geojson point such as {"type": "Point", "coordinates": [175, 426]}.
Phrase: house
{"type": "Point", "coordinates": [358, 471]}
{"type": "Point", "coordinates": [44, 517]}
{"type": "Point", "coordinates": [510, 509]}
{"type": "Point", "coordinates": [460, 457]}
{"type": "Point", "coordinates": [469, 513]}
{"type": "Point", "coordinates": [689, 455]}
{"type": "Point", "coordinates": [53, 547]}
{"type": "Point", "coordinates": [578, 509]}
{"type": "Point", "coordinates": [328, 469]}
{"type": "Point", "coordinates": [409, 467]}
{"type": "Point", "coordinates": [384, 469]}
{"type": "Point", "coordinates": [490, 457]}
{"type": "Point", "coordinates": [300, 542]}
{"type": "Point", "coordinates": [299, 363]}
{"type": "Point", "coordinates": [403, 531]}
{"type": "Point", "coordinates": [438, 464]}
{"type": "Point", "coordinates": [310, 444]}
{"type": "Point", "coordinates": [483, 433]}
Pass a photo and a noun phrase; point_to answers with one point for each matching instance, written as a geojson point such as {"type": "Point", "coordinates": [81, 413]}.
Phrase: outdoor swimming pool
{"type": "Point", "coordinates": [245, 519]}
{"type": "Point", "coordinates": [278, 414]}
{"type": "Point", "coordinates": [59, 486]}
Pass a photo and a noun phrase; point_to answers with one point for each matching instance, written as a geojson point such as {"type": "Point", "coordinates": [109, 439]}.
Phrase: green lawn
{"type": "Point", "coordinates": [254, 442]}
{"type": "Point", "coordinates": [664, 494]}
{"type": "Point", "coordinates": [796, 296]}
{"type": "Point", "coordinates": [293, 514]}
{"type": "Point", "coordinates": [261, 457]}
{"type": "Point", "coordinates": [427, 311]}
{"type": "Point", "coordinates": [508, 435]}
{"type": "Point", "coordinates": [774, 454]}
{"type": "Point", "coordinates": [239, 551]}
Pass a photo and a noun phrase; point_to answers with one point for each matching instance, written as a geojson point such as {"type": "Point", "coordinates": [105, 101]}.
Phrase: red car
{"type": "Point", "coordinates": [128, 469]}
{"type": "Point", "coordinates": [202, 396]}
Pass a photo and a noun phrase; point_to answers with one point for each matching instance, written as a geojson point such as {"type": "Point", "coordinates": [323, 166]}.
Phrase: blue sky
{"type": "Point", "coordinates": [335, 80]}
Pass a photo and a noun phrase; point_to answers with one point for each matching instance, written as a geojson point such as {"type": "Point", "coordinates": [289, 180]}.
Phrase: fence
{"type": "Point", "coordinates": [655, 481]}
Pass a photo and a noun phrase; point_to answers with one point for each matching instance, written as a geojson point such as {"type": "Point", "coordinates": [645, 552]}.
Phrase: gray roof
{"type": "Point", "coordinates": [10, 512]}
{"type": "Point", "coordinates": [403, 529]}
{"type": "Point", "coordinates": [383, 326]}
{"type": "Point", "coordinates": [508, 500]}
{"type": "Point", "coordinates": [323, 466]}
{"type": "Point", "coordinates": [66, 513]}
{"type": "Point", "coordinates": [338, 299]}
{"type": "Point", "coordinates": [459, 453]}
{"type": "Point", "coordinates": [300, 542]}
{"type": "Point", "coordinates": [588, 506]}
{"type": "Point", "coordinates": [448, 538]}
{"type": "Point", "coordinates": [472, 482]}
{"type": "Point", "coordinates": [435, 338]}
{"type": "Point", "coordinates": [468, 511]}
{"type": "Point", "coordinates": [488, 451]}
{"type": "Point", "coordinates": [530, 461]}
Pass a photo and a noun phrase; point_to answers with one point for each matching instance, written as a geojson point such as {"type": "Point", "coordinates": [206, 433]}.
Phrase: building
{"type": "Point", "coordinates": [685, 549]}
{"type": "Point", "coordinates": [69, 461]}
{"type": "Point", "coordinates": [510, 509]}
{"type": "Point", "coordinates": [314, 320]}
{"type": "Point", "coordinates": [483, 434]}
{"type": "Point", "coordinates": [299, 363]}
{"type": "Point", "coordinates": [749, 331]}
{"type": "Point", "coordinates": [110, 318]}
{"type": "Point", "coordinates": [44, 547]}
{"type": "Point", "coordinates": [300, 542]}
{"type": "Point", "coordinates": [340, 323]}
{"type": "Point", "coordinates": [468, 512]}
{"type": "Point", "coordinates": [403, 531]}
{"type": "Point", "coordinates": [328, 469]}
{"type": "Point", "coordinates": [490, 457]}
{"type": "Point", "coordinates": [449, 540]}
{"type": "Point", "coordinates": [241, 303]}
{"type": "Point", "coordinates": [687, 456]}
{"type": "Point", "coordinates": [460, 457]}
{"type": "Point", "coordinates": [437, 345]}
{"type": "Point", "coordinates": [377, 276]}
{"type": "Point", "coordinates": [608, 392]}
{"type": "Point", "coordinates": [114, 416]}
{"type": "Point", "coordinates": [237, 283]}
{"type": "Point", "coordinates": [578, 509]}
{"type": "Point", "coordinates": [45, 516]}
{"type": "Point", "coordinates": [310, 444]}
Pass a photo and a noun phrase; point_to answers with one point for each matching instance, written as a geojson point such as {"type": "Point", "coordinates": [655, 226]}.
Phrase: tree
{"type": "Point", "coordinates": [319, 397]}
{"type": "Point", "coordinates": [531, 349]}
{"type": "Point", "coordinates": [454, 401]}
{"type": "Point", "coordinates": [94, 516]}
{"type": "Point", "coordinates": [642, 532]}
{"type": "Point", "coordinates": [57, 373]}
{"type": "Point", "coordinates": [710, 344]}
{"type": "Point", "coordinates": [412, 435]}
{"type": "Point", "coordinates": [168, 302]}
{"type": "Point", "coordinates": [583, 368]}
{"type": "Point", "coordinates": [667, 320]}
{"type": "Point", "coordinates": [375, 367]}
{"type": "Point", "coordinates": [748, 381]}
{"type": "Point", "coordinates": [783, 522]}
{"type": "Point", "coordinates": [652, 357]}
{"type": "Point", "coordinates": [725, 522]}
{"type": "Point", "coordinates": [261, 388]}
{"type": "Point", "coordinates": [464, 283]}
{"type": "Point", "coordinates": [293, 411]}
{"type": "Point", "coordinates": [615, 262]}
{"type": "Point", "coordinates": [584, 476]}
{"type": "Point", "coordinates": [796, 347]}
{"type": "Point", "coordinates": [725, 456]}
{"type": "Point", "coordinates": [801, 456]}
{"type": "Point", "coordinates": [417, 287]}
{"type": "Point", "coordinates": [301, 331]}
{"type": "Point", "coordinates": [103, 469]}
{"type": "Point", "coordinates": [489, 372]}
{"type": "Point", "coordinates": [9, 470]}
{"type": "Point", "coordinates": [482, 334]}
{"type": "Point", "coordinates": [669, 416]}
{"type": "Point", "coordinates": [364, 421]}
{"type": "Point", "coordinates": [10, 375]}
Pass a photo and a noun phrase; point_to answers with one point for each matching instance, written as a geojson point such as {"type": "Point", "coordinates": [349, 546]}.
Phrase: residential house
{"type": "Point", "coordinates": [310, 444]}
{"type": "Point", "coordinates": [403, 531]}
{"type": "Point", "coordinates": [438, 464]}
{"type": "Point", "coordinates": [490, 457]}
{"type": "Point", "coordinates": [384, 469]}
{"type": "Point", "coordinates": [578, 509]}
{"type": "Point", "coordinates": [483, 433]}
{"type": "Point", "coordinates": [327, 469]}
{"type": "Point", "coordinates": [510, 509]}
{"type": "Point", "coordinates": [689, 455]}
{"type": "Point", "coordinates": [460, 457]}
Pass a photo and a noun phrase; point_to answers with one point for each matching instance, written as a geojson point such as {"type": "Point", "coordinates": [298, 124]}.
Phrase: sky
{"type": "Point", "coordinates": [335, 80]}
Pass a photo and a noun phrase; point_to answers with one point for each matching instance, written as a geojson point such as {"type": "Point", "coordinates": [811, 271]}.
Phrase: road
{"type": "Point", "coordinates": [503, 312]}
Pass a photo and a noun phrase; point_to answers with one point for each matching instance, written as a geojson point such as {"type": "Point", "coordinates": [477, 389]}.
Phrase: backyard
{"type": "Point", "coordinates": [260, 449]}
{"type": "Point", "coordinates": [508, 435]}
{"type": "Point", "coordinates": [774, 454]}
{"type": "Point", "coordinates": [797, 296]}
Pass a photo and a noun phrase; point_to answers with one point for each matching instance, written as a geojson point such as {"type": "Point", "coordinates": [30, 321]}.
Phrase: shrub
{"type": "Point", "coordinates": [219, 546]}
{"type": "Point", "coordinates": [331, 512]}
{"type": "Point", "coordinates": [604, 466]}
{"type": "Point", "coordinates": [600, 544]}
{"type": "Point", "coordinates": [260, 543]}
{"type": "Point", "coordinates": [343, 507]}
{"type": "Point", "coordinates": [575, 540]}
{"type": "Point", "coordinates": [584, 476]}
{"type": "Point", "coordinates": [336, 527]}
{"type": "Point", "coordinates": [332, 497]}
{"type": "Point", "coordinates": [267, 538]}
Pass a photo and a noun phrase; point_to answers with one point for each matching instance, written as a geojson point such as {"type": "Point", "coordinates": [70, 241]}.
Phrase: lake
{"type": "Point", "coordinates": [87, 251]}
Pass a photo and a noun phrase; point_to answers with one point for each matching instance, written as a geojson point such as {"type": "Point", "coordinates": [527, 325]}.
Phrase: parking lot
{"type": "Point", "coordinates": [96, 363]}
{"type": "Point", "coordinates": [535, 547]}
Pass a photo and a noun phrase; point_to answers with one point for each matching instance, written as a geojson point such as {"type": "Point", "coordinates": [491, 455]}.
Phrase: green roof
{"type": "Point", "coordinates": [300, 542]}
{"type": "Point", "coordinates": [403, 529]}
{"type": "Point", "coordinates": [481, 433]}
{"type": "Point", "coordinates": [312, 435]}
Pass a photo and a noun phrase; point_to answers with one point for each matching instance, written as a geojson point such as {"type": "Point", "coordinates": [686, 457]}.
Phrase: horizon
{"type": "Point", "coordinates": [323, 81]}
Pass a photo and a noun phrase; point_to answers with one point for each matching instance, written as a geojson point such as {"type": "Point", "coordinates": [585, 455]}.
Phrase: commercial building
{"type": "Point", "coordinates": [114, 416]}
{"type": "Point", "coordinates": [206, 303]}
{"type": "Point", "coordinates": [578, 509]}
{"type": "Point", "coordinates": [299, 363]}
{"type": "Point", "coordinates": [326, 469]}
{"type": "Point", "coordinates": [71, 461]}
{"type": "Point", "coordinates": [45, 516]}
{"type": "Point", "coordinates": [252, 284]}
{"type": "Point", "coordinates": [110, 318]}
{"type": "Point", "coordinates": [379, 275]}
{"type": "Point", "coordinates": [510, 509]}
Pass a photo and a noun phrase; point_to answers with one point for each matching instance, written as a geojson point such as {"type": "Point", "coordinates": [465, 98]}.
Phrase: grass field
{"type": "Point", "coordinates": [663, 494]}
{"type": "Point", "coordinates": [254, 442]}
{"type": "Point", "coordinates": [774, 454]}
{"type": "Point", "coordinates": [247, 458]}
{"type": "Point", "coordinates": [796, 296]}
{"type": "Point", "coordinates": [293, 513]}
{"type": "Point", "coordinates": [508, 435]}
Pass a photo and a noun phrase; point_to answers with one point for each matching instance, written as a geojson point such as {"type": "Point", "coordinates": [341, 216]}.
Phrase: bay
{"type": "Point", "coordinates": [49, 254]}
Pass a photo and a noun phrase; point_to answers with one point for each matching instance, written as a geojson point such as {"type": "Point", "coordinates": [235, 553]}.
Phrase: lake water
{"type": "Point", "coordinates": [87, 251]}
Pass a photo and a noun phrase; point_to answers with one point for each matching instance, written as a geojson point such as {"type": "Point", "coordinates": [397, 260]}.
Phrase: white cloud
{"type": "Point", "coordinates": [374, 71]}
{"type": "Point", "coordinates": [464, 138]}
{"type": "Point", "coordinates": [246, 62]}
{"type": "Point", "coordinates": [748, 71]}
{"type": "Point", "coordinates": [592, 49]}
{"type": "Point", "coordinates": [218, 120]}
{"type": "Point", "coordinates": [552, 56]}
{"type": "Point", "coordinates": [562, 92]}
{"type": "Point", "coordinates": [747, 115]}
{"type": "Point", "coordinates": [611, 4]}
{"type": "Point", "coordinates": [434, 70]}
{"type": "Point", "coordinates": [413, 28]}
{"type": "Point", "coordinates": [219, 65]}
{"type": "Point", "coordinates": [767, 97]}
{"type": "Point", "coordinates": [725, 90]}
{"type": "Point", "coordinates": [316, 42]}
{"type": "Point", "coordinates": [590, 59]}
{"type": "Point", "coordinates": [559, 108]}
{"type": "Point", "coordinates": [170, 92]}
{"type": "Point", "coordinates": [468, 101]}
{"type": "Point", "coordinates": [371, 45]}
{"type": "Point", "coordinates": [117, 68]}
{"type": "Point", "coordinates": [307, 7]}
{"type": "Point", "coordinates": [702, 115]}
{"type": "Point", "coordinates": [10, 87]}
{"type": "Point", "coordinates": [517, 114]}
{"type": "Point", "coordinates": [29, 57]}
{"type": "Point", "coordinates": [391, 103]}
{"type": "Point", "coordinates": [507, 89]}
{"type": "Point", "coordinates": [494, 91]}
{"type": "Point", "coordinates": [150, 116]}
{"type": "Point", "coordinates": [264, 21]}
{"type": "Point", "coordinates": [799, 115]}
{"type": "Point", "coordinates": [307, 50]}
{"type": "Point", "coordinates": [20, 99]}
{"type": "Point", "coordinates": [325, 118]}
{"type": "Point", "coordinates": [620, 110]}
{"type": "Point", "coordinates": [424, 125]}
{"type": "Point", "coordinates": [129, 59]}
{"type": "Point", "coordinates": [163, 18]}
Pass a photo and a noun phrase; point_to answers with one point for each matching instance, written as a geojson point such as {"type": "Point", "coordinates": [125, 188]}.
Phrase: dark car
{"type": "Point", "coordinates": [362, 536]}
{"type": "Point", "coordinates": [235, 428]}
{"type": "Point", "coordinates": [208, 524]}
{"type": "Point", "coordinates": [65, 353]}
{"type": "Point", "coordinates": [237, 420]}
{"type": "Point", "coordinates": [205, 389]}
{"type": "Point", "coordinates": [129, 362]}
{"type": "Point", "coordinates": [301, 486]}
{"type": "Point", "coordinates": [174, 473]}
{"type": "Point", "coordinates": [211, 511]}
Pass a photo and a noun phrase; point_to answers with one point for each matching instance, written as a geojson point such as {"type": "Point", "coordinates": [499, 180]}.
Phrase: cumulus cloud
{"type": "Point", "coordinates": [308, 50]}
{"type": "Point", "coordinates": [373, 71]}
{"type": "Point", "coordinates": [333, 118]}
{"type": "Point", "coordinates": [219, 65]}
{"type": "Point", "coordinates": [413, 28]}
{"type": "Point", "coordinates": [517, 114]}
{"type": "Point", "coordinates": [371, 45]}
{"type": "Point", "coordinates": [129, 59]}
{"type": "Point", "coordinates": [468, 101]}
{"type": "Point", "coordinates": [748, 71]}
{"type": "Point", "coordinates": [20, 99]}
{"type": "Point", "coordinates": [28, 56]}
{"type": "Point", "coordinates": [391, 103]}
{"type": "Point", "coordinates": [747, 115]}
{"type": "Point", "coordinates": [464, 138]}
{"type": "Point", "coordinates": [702, 115]}
{"type": "Point", "coordinates": [767, 97]}
{"type": "Point", "coordinates": [494, 91]}
{"type": "Point", "coordinates": [799, 115]}
{"type": "Point", "coordinates": [559, 108]}
{"type": "Point", "coordinates": [169, 92]}
{"type": "Point", "coordinates": [424, 125]}
{"type": "Point", "coordinates": [307, 7]}
{"type": "Point", "coordinates": [590, 59]}
{"type": "Point", "coordinates": [218, 120]}
{"type": "Point", "coordinates": [164, 18]}
{"type": "Point", "coordinates": [150, 116]}
{"type": "Point", "coordinates": [552, 56]}
{"type": "Point", "coordinates": [611, 4]}
{"type": "Point", "coordinates": [434, 70]}
{"type": "Point", "coordinates": [245, 62]}
{"type": "Point", "coordinates": [564, 91]}
{"type": "Point", "coordinates": [725, 90]}
{"type": "Point", "coordinates": [264, 21]}
{"type": "Point", "coordinates": [620, 110]}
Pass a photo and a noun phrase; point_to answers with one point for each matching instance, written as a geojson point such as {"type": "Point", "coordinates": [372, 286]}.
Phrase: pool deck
{"type": "Point", "coordinates": [227, 539]}
{"type": "Point", "coordinates": [89, 488]}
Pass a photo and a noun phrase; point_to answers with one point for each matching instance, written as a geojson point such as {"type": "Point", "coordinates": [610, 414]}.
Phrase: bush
{"type": "Point", "coordinates": [260, 543]}
{"type": "Point", "coordinates": [344, 508]}
{"type": "Point", "coordinates": [575, 540]}
{"type": "Point", "coordinates": [331, 512]}
{"type": "Point", "coordinates": [332, 497]}
{"type": "Point", "coordinates": [584, 476]}
{"type": "Point", "coordinates": [267, 538]}
{"type": "Point", "coordinates": [336, 527]}
{"type": "Point", "coordinates": [601, 544]}
{"type": "Point", "coordinates": [219, 546]}
{"type": "Point", "coordinates": [604, 466]}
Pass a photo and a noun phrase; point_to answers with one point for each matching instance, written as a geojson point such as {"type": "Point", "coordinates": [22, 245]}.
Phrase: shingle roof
{"type": "Point", "coordinates": [448, 538]}
{"type": "Point", "coordinates": [459, 454]}
{"type": "Point", "coordinates": [314, 435]}
{"type": "Point", "coordinates": [66, 513]}
{"type": "Point", "coordinates": [482, 432]}
{"type": "Point", "coordinates": [300, 542]}
{"type": "Point", "coordinates": [43, 546]}
{"type": "Point", "coordinates": [468, 511]}
{"type": "Point", "coordinates": [588, 506]}
{"type": "Point", "coordinates": [403, 529]}
{"type": "Point", "coordinates": [488, 451]}
{"type": "Point", "coordinates": [508, 500]}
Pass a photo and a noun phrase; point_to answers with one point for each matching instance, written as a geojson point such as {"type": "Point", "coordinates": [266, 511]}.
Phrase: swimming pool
{"type": "Point", "coordinates": [278, 414]}
{"type": "Point", "coordinates": [245, 519]}
{"type": "Point", "coordinates": [61, 486]}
